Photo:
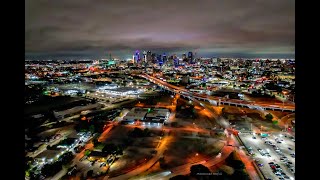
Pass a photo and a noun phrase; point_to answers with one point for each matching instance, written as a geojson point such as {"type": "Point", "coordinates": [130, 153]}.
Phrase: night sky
{"type": "Point", "coordinates": [94, 28]}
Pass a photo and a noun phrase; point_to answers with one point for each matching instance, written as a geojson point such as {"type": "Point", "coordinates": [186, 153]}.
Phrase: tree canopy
{"type": "Point", "coordinates": [269, 117]}
{"type": "Point", "coordinates": [199, 168]}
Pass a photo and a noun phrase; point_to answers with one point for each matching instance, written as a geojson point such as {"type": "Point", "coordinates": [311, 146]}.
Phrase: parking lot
{"type": "Point", "coordinates": [273, 149]}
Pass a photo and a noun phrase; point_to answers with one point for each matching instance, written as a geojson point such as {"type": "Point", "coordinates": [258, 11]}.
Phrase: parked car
{"type": "Point", "coordinates": [260, 164]}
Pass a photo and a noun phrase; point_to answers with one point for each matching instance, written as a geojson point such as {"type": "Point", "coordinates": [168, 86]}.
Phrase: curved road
{"type": "Point", "coordinates": [187, 93]}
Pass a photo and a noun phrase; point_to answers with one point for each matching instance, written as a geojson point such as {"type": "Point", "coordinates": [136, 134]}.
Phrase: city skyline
{"type": "Point", "coordinates": [76, 29]}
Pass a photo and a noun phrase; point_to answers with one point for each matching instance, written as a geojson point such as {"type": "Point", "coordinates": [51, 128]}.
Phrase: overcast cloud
{"type": "Point", "coordinates": [97, 27]}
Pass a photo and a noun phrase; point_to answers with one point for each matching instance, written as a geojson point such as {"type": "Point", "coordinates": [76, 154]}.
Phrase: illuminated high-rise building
{"type": "Point", "coordinates": [175, 56]}
{"type": "Point", "coordinates": [184, 56]}
{"type": "Point", "coordinates": [159, 59]}
{"type": "Point", "coordinates": [144, 56]}
{"type": "Point", "coordinates": [190, 57]}
{"type": "Point", "coordinates": [153, 58]}
{"type": "Point", "coordinates": [176, 62]}
{"type": "Point", "coordinates": [149, 56]}
{"type": "Point", "coordinates": [137, 57]}
{"type": "Point", "coordinates": [164, 58]}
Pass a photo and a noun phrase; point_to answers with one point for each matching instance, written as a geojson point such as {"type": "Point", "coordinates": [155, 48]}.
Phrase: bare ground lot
{"type": "Point", "coordinates": [184, 150]}
{"type": "Point", "coordinates": [136, 153]}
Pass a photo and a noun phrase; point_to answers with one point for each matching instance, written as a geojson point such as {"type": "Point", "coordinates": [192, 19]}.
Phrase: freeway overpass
{"type": "Point", "coordinates": [216, 100]}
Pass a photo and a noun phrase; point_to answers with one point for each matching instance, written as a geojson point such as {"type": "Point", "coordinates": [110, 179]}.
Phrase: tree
{"type": "Point", "coordinates": [223, 110]}
{"type": "Point", "coordinates": [162, 163]}
{"type": "Point", "coordinates": [51, 169]}
{"type": "Point", "coordinates": [92, 128]}
{"type": "Point", "coordinates": [128, 141]}
{"type": "Point", "coordinates": [66, 158]}
{"type": "Point", "coordinates": [240, 174]}
{"type": "Point", "coordinates": [119, 150]}
{"type": "Point", "coordinates": [231, 117]}
{"type": "Point", "coordinates": [90, 173]}
{"type": "Point", "coordinates": [95, 141]}
{"type": "Point", "coordinates": [112, 149]}
{"type": "Point", "coordinates": [174, 124]}
{"type": "Point", "coordinates": [237, 164]}
{"type": "Point", "coordinates": [146, 132]}
{"type": "Point", "coordinates": [137, 132]}
{"type": "Point", "coordinates": [199, 168]}
{"type": "Point", "coordinates": [87, 152]}
{"type": "Point", "coordinates": [179, 177]}
{"type": "Point", "coordinates": [269, 117]}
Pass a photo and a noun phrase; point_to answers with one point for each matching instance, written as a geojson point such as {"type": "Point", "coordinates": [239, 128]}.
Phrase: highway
{"type": "Point", "coordinates": [241, 103]}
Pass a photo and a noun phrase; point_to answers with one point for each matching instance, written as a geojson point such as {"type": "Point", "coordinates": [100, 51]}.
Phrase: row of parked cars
{"type": "Point", "coordinates": [277, 170]}
{"type": "Point", "coordinates": [263, 152]}
{"type": "Point", "coordinates": [275, 167]}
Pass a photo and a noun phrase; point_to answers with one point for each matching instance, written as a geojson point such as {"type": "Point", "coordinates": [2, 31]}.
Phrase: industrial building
{"type": "Point", "coordinates": [136, 114]}
{"type": "Point", "coordinates": [147, 116]}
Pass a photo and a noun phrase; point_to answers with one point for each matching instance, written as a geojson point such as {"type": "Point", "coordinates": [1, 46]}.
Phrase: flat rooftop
{"type": "Point", "coordinates": [158, 113]}
{"type": "Point", "coordinates": [136, 113]}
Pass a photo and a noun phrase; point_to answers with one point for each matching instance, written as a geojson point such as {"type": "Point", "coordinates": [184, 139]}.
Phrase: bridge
{"type": "Point", "coordinates": [216, 100]}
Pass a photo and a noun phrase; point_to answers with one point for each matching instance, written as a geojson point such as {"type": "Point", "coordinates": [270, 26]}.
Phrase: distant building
{"type": "Point", "coordinates": [144, 56]}
{"type": "Point", "coordinates": [159, 59]}
{"type": "Point", "coordinates": [175, 56]}
{"type": "Point", "coordinates": [184, 57]}
{"type": "Point", "coordinates": [185, 79]}
{"type": "Point", "coordinates": [190, 57]}
{"type": "Point", "coordinates": [164, 58]}
{"type": "Point", "coordinates": [137, 57]}
{"type": "Point", "coordinates": [176, 62]}
{"type": "Point", "coordinates": [149, 56]}
{"type": "Point", "coordinates": [153, 58]}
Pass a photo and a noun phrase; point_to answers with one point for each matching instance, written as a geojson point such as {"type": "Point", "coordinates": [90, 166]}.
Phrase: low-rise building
{"type": "Point", "coordinates": [75, 110]}
{"type": "Point", "coordinates": [156, 116]}
{"type": "Point", "coordinates": [136, 114]}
